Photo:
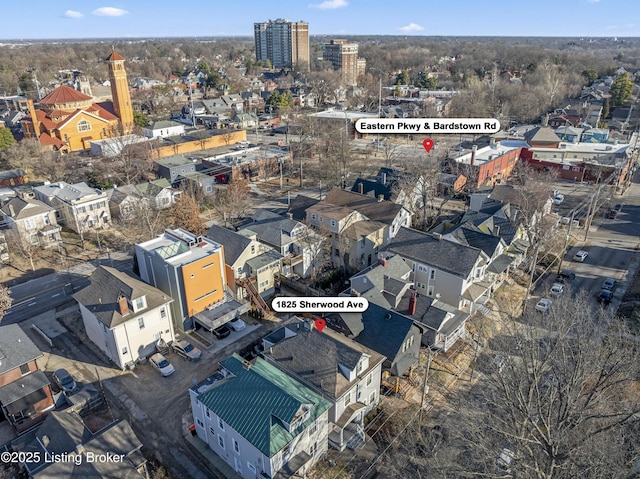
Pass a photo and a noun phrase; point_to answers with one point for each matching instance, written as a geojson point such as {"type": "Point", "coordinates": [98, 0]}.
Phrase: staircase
{"type": "Point", "coordinates": [356, 440]}
{"type": "Point", "coordinates": [482, 310]}
{"type": "Point", "coordinates": [249, 286]}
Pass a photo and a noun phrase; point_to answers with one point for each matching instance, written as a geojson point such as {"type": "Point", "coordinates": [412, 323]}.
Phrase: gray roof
{"type": "Point", "coordinates": [159, 125]}
{"type": "Point", "coordinates": [476, 238]}
{"type": "Point", "coordinates": [299, 205]}
{"type": "Point", "coordinates": [444, 255]}
{"type": "Point", "coordinates": [383, 211]}
{"type": "Point", "coordinates": [500, 264]}
{"type": "Point", "coordinates": [107, 285]}
{"type": "Point", "coordinates": [22, 387]}
{"type": "Point", "coordinates": [321, 370]}
{"type": "Point", "coordinates": [541, 134]}
{"type": "Point", "coordinates": [271, 228]}
{"type": "Point", "coordinates": [25, 208]}
{"type": "Point", "coordinates": [234, 244]}
{"type": "Point", "coordinates": [66, 192]}
{"type": "Point", "coordinates": [65, 431]}
{"type": "Point", "coordinates": [173, 161]}
{"type": "Point", "coordinates": [121, 193]}
{"type": "Point", "coordinates": [264, 259]}
{"type": "Point", "coordinates": [16, 348]}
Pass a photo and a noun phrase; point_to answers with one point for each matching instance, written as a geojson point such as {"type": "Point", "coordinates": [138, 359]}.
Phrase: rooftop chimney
{"type": "Point", "coordinates": [361, 188]}
{"type": "Point", "coordinates": [123, 305]}
{"type": "Point", "coordinates": [11, 210]}
{"type": "Point", "coordinates": [380, 198]}
{"type": "Point", "coordinates": [474, 149]}
{"type": "Point", "coordinates": [413, 303]}
{"type": "Point", "coordinates": [492, 143]}
{"type": "Point", "coordinates": [383, 178]}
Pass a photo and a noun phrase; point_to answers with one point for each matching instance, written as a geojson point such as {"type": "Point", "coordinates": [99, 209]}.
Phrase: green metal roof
{"type": "Point", "coordinates": [255, 399]}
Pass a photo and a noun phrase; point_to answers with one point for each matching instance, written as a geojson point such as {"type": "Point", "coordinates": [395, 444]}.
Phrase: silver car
{"type": "Point", "coordinates": [161, 363]}
{"type": "Point", "coordinates": [186, 350]}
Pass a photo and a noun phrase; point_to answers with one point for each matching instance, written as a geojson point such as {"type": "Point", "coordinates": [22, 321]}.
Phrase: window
{"type": "Point", "coordinates": [432, 276]}
{"type": "Point", "coordinates": [313, 428]}
{"type": "Point", "coordinates": [372, 398]}
{"type": "Point", "coordinates": [369, 379]}
{"type": "Point", "coordinates": [141, 323]}
{"type": "Point", "coordinates": [314, 449]}
{"type": "Point", "coordinates": [84, 125]}
{"type": "Point", "coordinates": [30, 224]}
{"type": "Point", "coordinates": [125, 350]}
{"type": "Point", "coordinates": [236, 446]}
{"type": "Point", "coordinates": [220, 424]}
{"type": "Point", "coordinates": [253, 249]}
{"type": "Point", "coordinates": [347, 399]}
{"type": "Point", "coordinates": [213, 433]}
{"type": "Point", "coordinates": [422, 269]}
{"type": "Point", "coordinates": [200, 423]}
{"type": "Point", "coordinates": [313, 217]}
{"type": "Point", "coordinates": [208, 265]}
{"type": "Point", "coordinates": [139, 303]}
{"type": "Point", "coordinates": [163, 313]}
{"type": "Point", "coordinates": [430, 291]}
{"type": "Point", "coordinates": [34, 239]}
{"type": "Point", "coordinates": [359, 367]}
{"type": "Point", "coordinates": [207, 413]}
{"type": "Point", "coordinates": [221, 441]}
{"type": "Point", "coordinates": [333, 222]}
{"type": "Point", "coordinates": [24, 369]}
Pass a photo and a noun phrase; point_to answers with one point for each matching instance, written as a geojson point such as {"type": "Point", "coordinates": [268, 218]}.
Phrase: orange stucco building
{"type": "Point", "coordinates": [68, 120]}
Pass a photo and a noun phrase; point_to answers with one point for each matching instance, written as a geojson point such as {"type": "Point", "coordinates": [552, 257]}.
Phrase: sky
{"type": "Point", "coordinates": [170, 18]}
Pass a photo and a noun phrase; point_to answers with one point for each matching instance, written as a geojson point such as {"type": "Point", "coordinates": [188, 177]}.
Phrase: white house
{"type": "Point", "coordinates": [124, 316]}
{"type": "Point", "coordinates": [80, 207]}
{"type": "Point", "coordinates": [32, 221]}
{"type": "Point", "coordinates": [259, 420]}
{"type": "Point", "coordinates": [163, 129]}
{"type": "Point", "coordinates": [346, 373]}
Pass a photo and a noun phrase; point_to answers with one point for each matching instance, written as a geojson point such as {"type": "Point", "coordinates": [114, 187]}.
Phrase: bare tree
{"type": "Point", "coordinates": [231, 201]}
{"type": "Point", "coordinates": [227, 136]}
{"type": "Point", "coordinates": [5, 301]}
{"type": "Point", "coordinates": [318, 243]}
{"type": "Point", "coordinates": [24, 248]}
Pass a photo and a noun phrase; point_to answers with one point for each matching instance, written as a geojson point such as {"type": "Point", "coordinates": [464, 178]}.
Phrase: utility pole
{"type": "Point", "coordinates": [533, 271]}
{"type": "Point", "coordinates": [425, 385]}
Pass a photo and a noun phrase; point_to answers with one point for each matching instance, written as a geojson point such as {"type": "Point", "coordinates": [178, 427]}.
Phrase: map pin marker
{"type": "Point", "coordinates": [320, 324]}
{"type": "Point", "coordinates": [428, 144]}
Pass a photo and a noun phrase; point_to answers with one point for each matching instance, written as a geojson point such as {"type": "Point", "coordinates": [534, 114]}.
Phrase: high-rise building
{"type": "Point", "coordinates": [344, 57]}
{"type": "Point", "coordinates": [283, 42]}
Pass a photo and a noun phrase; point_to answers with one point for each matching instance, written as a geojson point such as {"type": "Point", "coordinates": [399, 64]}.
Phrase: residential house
{"type": "Point", "coordinates": [13, 177]}
{"type": "Point", "coordinates": [163, 129]}
{"type": "Point", "coordinates": [187, 267]}
{"type": "Point", "coordinates": [295, 241]}
{"type": "Point", "coordinates": [247, 258]}
{"type": "Point", "coordinates": [124, 316]}
{"type": "Point", "coordinates": [570, 134]}
{"type": "Point", "coordinates": [393, 185]}
{"type": "Point", "coordinates": [245, 121]}
{"type": "Point", "coordinates": [159, 193]}
{"type": "Point", "coordinates": [542, 137]}
{"type": "Point", "coordinates": [392, 214]}
{"type": "Point", "coordinates": [233, 102]}
{"type": "Point", "coordinates": [388, 333]}
{"type": "Point", "coordinates": [125, 202]}
{"type": "Point", "coordinates": [171, 167]}
{"type": "Point", "coordinates": [360, 242]}
{"type": "Point", "coordinates": [65, 436]}
{"type": "Point", "coordinates": [561, 120]}
{"type": "Point", "coordinates": [595, 135]}
{"type": "Point", "coordinates": [346, 373]}
{"type": "Point", "coordinates": [450, 185]}
{"type": "Point", "coordinates": [25, 392]}
{"type": "Point", "coordinates": [79, 207]}
{"type": "Point", "coordinates": [389, 284]}
{"type": "Point", "coordinates": [279, 432]}
{"type": "Point", "coordinates": [449, 271]}
{"type": "Point", "coordinates": [32, 222]}
{"type": "Point", "coordinates": [11, 118]}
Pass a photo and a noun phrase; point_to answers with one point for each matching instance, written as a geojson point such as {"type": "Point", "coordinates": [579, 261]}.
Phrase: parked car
{"type": "Point", "coordinates": [543, 305]}
{"type": "Point", "coordinates": [237, 324]}
{"type": "Point", "coordinates": [565, 277]}
{"type": "Point", "coordinates": [558, 199]}
{"type": "Point", "coordinates": [222, 332]}
{"type": "Point", "coordinates": [580, 256]}
{"type": "Point", "coordinates": [64, 380]}
{"type": "Point", "coordinates": [187, 350]}
{"type": "Point", "coordinates": [161, 363]}
{"type": "Point", "coordinates": [605, 296]}
{"type": "Point", "coordinates": [609, 284]}
{"type": "Point", "coordinates": [556, 289]}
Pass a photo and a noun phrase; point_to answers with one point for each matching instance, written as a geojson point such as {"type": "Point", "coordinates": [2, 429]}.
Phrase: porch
{"type": "Point", "coordinates": [348, 430]}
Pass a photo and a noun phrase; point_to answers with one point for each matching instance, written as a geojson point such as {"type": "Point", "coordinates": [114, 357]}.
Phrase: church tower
{"type": "Point", "coordinates": [120, 92]}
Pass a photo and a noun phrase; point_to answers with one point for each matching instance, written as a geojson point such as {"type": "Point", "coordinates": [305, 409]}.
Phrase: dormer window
{"type": "Point", "coordinates": [139, 303]}
{"type": "Point", "coordinates": [84, 125]}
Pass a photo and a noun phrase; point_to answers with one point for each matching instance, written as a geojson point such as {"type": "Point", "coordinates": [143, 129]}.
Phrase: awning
{"type": "Point", "coordinates": [474, 291]}
{"type": "Point", "coordinates": [500, 264]}
{"type": "Point", "coordinates": [293, 465]}
{"type": "Point", "coordinates": [11, 394]}
{"type": "Point", "coordinates": [350, 411]}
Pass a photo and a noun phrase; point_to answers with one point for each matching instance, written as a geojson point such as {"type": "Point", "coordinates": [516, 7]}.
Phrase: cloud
{"type": "Point", "coordinates": [73, 14]}
{"type": "Point", "coordinates": [330, 4]}
{"type": "Point", "coordinates": [109, 12]}
{"type": "Point", "coordinates": [412, 27]}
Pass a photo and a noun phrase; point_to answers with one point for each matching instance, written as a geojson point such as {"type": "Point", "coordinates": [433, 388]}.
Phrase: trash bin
{"type": "Point", "coordinates": [192, 429]}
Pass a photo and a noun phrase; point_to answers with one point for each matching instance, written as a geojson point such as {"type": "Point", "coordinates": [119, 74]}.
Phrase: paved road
{"type": "Point", "coordinates": [48, 292]}
{"type": "Point", "coordinates": [613, 246]}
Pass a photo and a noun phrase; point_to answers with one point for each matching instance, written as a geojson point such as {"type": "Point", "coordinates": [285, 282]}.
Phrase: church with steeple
{"type": "Point", "coordinates": [68, 120]}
